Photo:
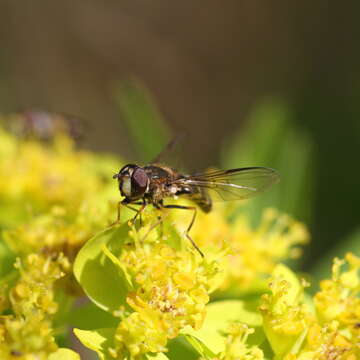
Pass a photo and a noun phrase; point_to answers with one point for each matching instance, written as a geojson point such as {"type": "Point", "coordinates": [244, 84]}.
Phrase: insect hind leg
{"type": "Point", "coordinates": [193, 208]}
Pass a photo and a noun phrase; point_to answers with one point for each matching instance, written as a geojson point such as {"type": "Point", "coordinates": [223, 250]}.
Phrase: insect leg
{"type": "Point", "coordinates": [117, 221]}
{"type": "Point", "coordinates": [161, 226]}
{"type": "Point", "coordinates": [124, 203]}
{"type": "Point", "coordinates": [118, 211]}
{"type": "Point", "coordinates": [138, 212]}
{"type": "Point", "coordinates": [160, 217]}
{"type": "Point", "coordinates": [190, 225]}
{"type": "Point", "coordinates": [159, 221]}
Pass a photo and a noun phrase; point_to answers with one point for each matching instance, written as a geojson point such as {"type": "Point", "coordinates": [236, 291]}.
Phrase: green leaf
{"type": "Point", "coordinates": [101, 339]}
{"type": "Point", "coordinates": [90, 317]}
{"type": "Point", "coordinates": [64, 354]}
{"type": "Point", "coordinates": [102, 280]}
{"type": "Point", "coordinates": [158, 356]}
{"type": "Point", "coordinates": [7, 259]}
{"type": "Point", "coordinates": [219, 315]}
{"type": "Point", "coordinates": [296, 187]}
{"type": "Point", "coordinates": [258, 141]}
{"type": "Point", "coordinates": [143, 119]}
{"type": "Point", "coordinates": [117, 262]}
{"type": "Point", "coordinates": [97, 340]}
{"type": "Point", "coordinates": [200, 347]}
{"type": "Point", "coordinates": [270, 138]}
{"type": "Point", "coordinates": [179, 349]}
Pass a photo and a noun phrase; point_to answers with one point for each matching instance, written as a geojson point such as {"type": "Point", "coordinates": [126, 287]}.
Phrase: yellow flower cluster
{"type": "Point", "coordinates": [339, 297]}
{"type": "Point", "coordinates": [172, 283]}
{"type": "Point", "coordinates": [54, 197]}
{"type": "Point", "coordinates": [252, 252]}
{"type": "Point", "coordinates": [137, 335]}
{"type": "Point", "coordinates": [328, 342]}
{"type": "Point", "coordinates": [27, 333]}
{"type": "Point", "coordinates": [57, 231]}
{"type": "Point", "coordinates": [170, 291]}
{"type": "Point", "coordinates": [39, 177]}
{"type": "Point", "coordinates": [332, 332]}
{"type": "Point", "coordinates": [236, 346]}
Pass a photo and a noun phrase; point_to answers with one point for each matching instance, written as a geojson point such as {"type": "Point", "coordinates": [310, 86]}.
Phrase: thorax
{"type": "Point", "coordinates": [161, 181]}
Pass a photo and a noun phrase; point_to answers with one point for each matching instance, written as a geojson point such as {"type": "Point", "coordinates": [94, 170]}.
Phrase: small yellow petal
{"type": "Point", "coordinates": [184, 280]}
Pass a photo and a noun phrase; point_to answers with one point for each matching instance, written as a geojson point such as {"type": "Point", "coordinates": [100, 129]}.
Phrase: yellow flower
{"type": "Point", "coordinates": [170, 286]}
{"type": "Point", "coordinates": [136, 335]}
{"type": "Point", "coordinates": [236, 346]}
{"type": "Point", "coordinates": [57, 232]}
{"type": "Point", "coordinates": [246, 255]}
{"type": "Point", "coordinates": [333, 332]}
{"type": "Point", "coordinates": [326, 342]}
{"type": "Point", "coordinates": [285, 317]}
{"type": "Point", "coordinates": [40, 176]}
{"type": "Point", "coordinates": [56, 197]}
{"type": "Point", "coordinates": [26, 338]}
{"type": "Point", "coordinates": [38, 273]}
{"type": "Point", "coordinates": [339, 297]}
{"type": "Point", "coordinates": [255, 252]}
{"type": "Point", "coordinates": [27, 333]}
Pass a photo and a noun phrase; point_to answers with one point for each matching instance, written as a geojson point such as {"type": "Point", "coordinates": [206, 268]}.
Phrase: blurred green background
{"type": "Point", "coordinates": [251, 83]}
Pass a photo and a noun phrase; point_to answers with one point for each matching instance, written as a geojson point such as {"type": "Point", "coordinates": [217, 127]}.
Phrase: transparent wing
{"type": "Point", "coordinates": [234, 184]}
{"type": "Point", "coordinates": [171, 155]}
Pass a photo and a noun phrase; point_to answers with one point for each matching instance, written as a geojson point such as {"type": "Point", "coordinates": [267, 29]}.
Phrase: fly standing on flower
{"type": "Point", "coordinates": [154, 183]}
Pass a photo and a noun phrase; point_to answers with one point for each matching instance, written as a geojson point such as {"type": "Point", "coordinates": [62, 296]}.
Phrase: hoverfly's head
{"type": "Point", "coordinates": [133, 181]}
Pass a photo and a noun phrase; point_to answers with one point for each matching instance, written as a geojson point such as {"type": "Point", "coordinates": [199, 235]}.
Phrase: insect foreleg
{"type": "Point", "coordinates": [118, 211]}
{"type": "Point", "coordinates": [125, 203]}
{"type": "Point", "coordinates": [190, 225]}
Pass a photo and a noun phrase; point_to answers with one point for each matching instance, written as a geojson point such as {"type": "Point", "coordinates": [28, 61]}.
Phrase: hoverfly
{"type": "Point", "coordinates": [155, 182]}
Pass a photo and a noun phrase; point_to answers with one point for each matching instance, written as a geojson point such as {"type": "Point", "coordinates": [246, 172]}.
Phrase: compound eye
{"type": "Point", "coordinates": [139, 182]}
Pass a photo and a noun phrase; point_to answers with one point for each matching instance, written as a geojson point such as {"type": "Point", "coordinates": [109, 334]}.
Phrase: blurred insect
{"type": "Point", "coordinates": [16, 353]}
{"type": "Point", "coordinates": [155, 182]}
{"type": "Point", "coordinates": [43, 125]}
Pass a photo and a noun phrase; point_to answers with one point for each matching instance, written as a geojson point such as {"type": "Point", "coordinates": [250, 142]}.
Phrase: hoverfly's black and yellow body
{"type": "Point", "coordinates": [153, 183]}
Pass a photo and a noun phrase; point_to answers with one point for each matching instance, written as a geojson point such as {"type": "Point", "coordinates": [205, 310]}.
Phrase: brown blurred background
{"type": "Point", "coordinates": [207, 64]}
